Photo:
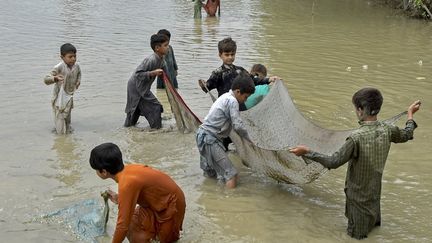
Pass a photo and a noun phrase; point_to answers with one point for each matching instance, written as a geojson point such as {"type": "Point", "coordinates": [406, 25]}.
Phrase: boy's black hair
{"type": "Point", "coordinates": [165, 32]}
{"type": "Point", "coordinates": [107, 156]}
{"type": "Point", "coordinates": [67, 48]}
{"type": "Point", "coordinates": [369, 100]}
{"type": "Point", "coordinates": [259, 68]}
{"type": "Point", "coordinates": [157, 40]}
{"type": "Point", "coordinates": [244, 83]}
{"type": "Point", "coordinates": [227, 45]}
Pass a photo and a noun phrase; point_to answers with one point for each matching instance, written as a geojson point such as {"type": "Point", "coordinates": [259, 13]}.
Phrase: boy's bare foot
{"type": "Point", "coordinates": [232, 183]}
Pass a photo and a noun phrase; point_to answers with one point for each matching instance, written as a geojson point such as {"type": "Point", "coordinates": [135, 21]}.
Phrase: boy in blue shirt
{"type": "Point", "coordinates": [223, 115]}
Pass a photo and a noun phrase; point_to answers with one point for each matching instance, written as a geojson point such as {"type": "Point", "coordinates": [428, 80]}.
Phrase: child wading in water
{"type": "Point", "coordinates": [211, 7]}
{"type": "Point", "coordinates": [224, 114]}
{"type": "Point", "coordinates": [366, 151]}
{"type": "Point", "coordinates": [66, 77]}
{"type": "Point", "coordinates": [140, 100]}
{"type": "Point", "coordinates": [258, 74]}
{"type": "Point", "coordinates": [170, 66]}
{"type": "Point", "coordinates": [222, 78]}
{"type": "Point", "coordinates": [170, 69]}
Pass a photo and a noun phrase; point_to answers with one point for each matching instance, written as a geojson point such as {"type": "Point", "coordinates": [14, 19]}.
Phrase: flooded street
{"type": "Point", "coordinates": [323, 50]}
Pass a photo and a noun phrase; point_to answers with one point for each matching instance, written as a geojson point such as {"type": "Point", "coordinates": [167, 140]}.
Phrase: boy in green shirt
{"type": "Point", "coordinates": [366, 151]}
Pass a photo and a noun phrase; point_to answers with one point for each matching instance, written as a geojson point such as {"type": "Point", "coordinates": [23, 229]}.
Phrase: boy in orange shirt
{"type": "Point", "coordinates": [150, 204]}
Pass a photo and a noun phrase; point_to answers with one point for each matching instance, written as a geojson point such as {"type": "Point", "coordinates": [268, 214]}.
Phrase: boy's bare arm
{"type": "Point", "coordinates": [113, 196]}
{"type": "Point", "coordinates": [403, 135]}
{"type": "Point", "coordinates": [413, 108]}
{"type": "Point", "coordinates": [272, 79]}
{"type": "Point", "coordinates": [299, 150]}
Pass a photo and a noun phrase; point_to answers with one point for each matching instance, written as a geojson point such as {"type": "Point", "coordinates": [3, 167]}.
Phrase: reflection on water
{"type": "Point", "coordinates": [324, 51]}
{"type": "Point", "coordinates": [68, 160]}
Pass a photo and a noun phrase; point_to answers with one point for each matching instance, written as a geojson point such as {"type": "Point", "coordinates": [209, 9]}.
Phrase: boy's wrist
{"type": "Point", "coordinates": [410, 115]}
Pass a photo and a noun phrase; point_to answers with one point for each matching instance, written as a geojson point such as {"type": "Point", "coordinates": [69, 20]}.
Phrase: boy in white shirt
{"type": "Point", "coordinates": [66, 77]}
{"type": "Point", "coordinates": [223, 115]}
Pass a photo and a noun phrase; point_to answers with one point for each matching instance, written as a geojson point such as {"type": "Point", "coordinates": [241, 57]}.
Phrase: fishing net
{"type": "Point", "coordinates": [274, 125]}
{"type": "Point", "coordinates": [86, 219]}
{"type": "Point", "coordinates": [186, 120]}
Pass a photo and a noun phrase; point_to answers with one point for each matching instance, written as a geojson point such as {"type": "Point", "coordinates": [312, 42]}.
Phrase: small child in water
{"type": "Point", "coordinates": [66, 77]}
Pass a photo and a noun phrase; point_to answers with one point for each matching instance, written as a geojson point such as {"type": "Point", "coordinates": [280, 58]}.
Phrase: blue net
{"type": "Point", "coordinates": [86, 219]}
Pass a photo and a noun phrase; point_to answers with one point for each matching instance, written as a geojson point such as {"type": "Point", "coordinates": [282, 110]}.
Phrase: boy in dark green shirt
{"type": "Point", "coordinates": [366, 151]}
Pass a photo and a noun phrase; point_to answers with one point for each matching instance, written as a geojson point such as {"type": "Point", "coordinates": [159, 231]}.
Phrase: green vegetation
{"type": "Point", "coordinates": [414, 8]}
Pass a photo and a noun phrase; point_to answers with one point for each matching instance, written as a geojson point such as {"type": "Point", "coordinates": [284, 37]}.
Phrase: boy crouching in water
{"type": "Point", "coordinates": [223, 114]}
{"type": "Point", "coordinates": [366, 151]}
{"type": "Point", "coordinates": [66, 77]}
{"type": "Point", "coordinates": [150, 204]}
